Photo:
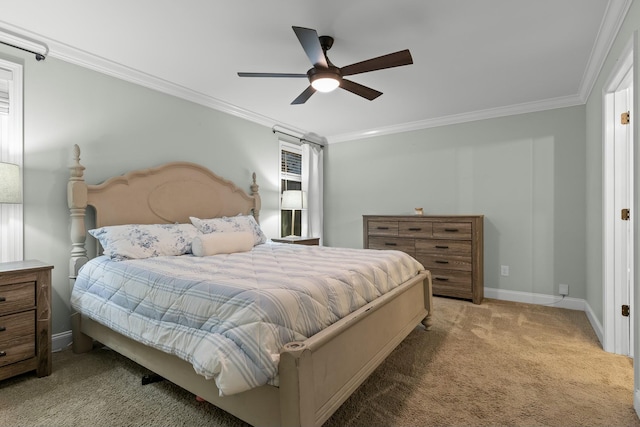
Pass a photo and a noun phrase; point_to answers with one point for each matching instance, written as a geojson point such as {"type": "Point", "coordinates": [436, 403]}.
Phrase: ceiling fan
{"type": "Point", "coordinates": [325, 77]}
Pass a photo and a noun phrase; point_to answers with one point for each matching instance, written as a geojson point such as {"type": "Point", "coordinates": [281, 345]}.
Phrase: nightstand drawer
{"type": "Point", "coordinates": [17, 297]}
{"type": "Point", "coordinates": [452, 230]}
{"type": "Point", "coordinates": [396, 243]}
{"type": "Point", "coordinates": [17, 337]}
{"type": "Point", "coordinates": [444, 247]}
{"type": "Point", "coordinates": [383, 228]}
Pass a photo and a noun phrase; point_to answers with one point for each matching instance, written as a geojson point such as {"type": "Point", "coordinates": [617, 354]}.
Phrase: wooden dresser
{"type": "Point", "coordinates": [450, 246]}
{"type": "Point", "coordinates": [25, 318]}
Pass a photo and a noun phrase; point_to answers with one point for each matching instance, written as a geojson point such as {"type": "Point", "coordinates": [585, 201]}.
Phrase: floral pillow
{"type": "Point", "coordinates": [231, 224]}
{"type": "Point", "coordinates": [138, 241]}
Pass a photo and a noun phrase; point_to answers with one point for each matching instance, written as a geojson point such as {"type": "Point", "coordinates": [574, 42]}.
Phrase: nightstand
{"type": "Point", "coordinates": [297, 240]}
{"type": "Point", "coordinates": [25, 318]}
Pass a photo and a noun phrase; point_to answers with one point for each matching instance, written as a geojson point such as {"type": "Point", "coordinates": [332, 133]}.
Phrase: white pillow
{"type": "Point", "coordinates": [222, 243]}
{"type": "Point", "coordinates": [230, 224]}
{"type": "Point", "coordinates": [138, 241]}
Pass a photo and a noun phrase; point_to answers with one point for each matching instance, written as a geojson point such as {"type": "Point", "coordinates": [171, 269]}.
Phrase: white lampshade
{"type": "Point", "coordinates": [10, 189]}
{"type": "Point", "coordinates": [294, 200]}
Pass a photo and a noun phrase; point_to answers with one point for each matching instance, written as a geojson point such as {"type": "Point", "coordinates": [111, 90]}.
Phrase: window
{"type": "Point", "coordinates": [290, 179]}
{"type": "Point", "coordinates": [11, 229]}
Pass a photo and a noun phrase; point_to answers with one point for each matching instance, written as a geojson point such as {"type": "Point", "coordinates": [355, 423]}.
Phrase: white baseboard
{"type": "Point", "coordinates": [550, 300]}
{"type": "Point", "coordinates": [61, 341]}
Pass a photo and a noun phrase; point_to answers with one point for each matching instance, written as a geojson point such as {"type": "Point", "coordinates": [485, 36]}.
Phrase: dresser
{"type": "Point", "coordinates": [450, 246]}
{"type": "Point", "coordinates": [25, 318]}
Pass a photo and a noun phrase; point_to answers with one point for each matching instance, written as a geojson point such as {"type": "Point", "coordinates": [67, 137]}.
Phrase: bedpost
{"type": "Point", "coordinates": [77, 201]}
{"type": "Point", "coordinates": [257, 201]}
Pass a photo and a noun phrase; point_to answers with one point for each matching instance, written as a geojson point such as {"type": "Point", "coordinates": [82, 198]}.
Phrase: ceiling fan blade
{"type": "Point", "coordinates": [358, 89]}
{"type": "Point", "coordinates": [302, 98]}
{"type": "Point", "coordinates": [391, 60]}
{"type": "Point", "coordinates": [311, 44]}
{"type": "Point", "coordinates": [271, 75]}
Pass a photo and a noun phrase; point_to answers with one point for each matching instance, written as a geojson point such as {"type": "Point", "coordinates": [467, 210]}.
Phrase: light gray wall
{"type": "Point", "coordinates": [594, 116]}
{"type": "Point", "coordinates": [525, 173]}
{"type": "Point", "coordinates": [120, 126]}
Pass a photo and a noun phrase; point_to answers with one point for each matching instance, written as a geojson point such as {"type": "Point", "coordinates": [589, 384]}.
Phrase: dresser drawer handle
{"type": "Point", "coordinates": [390, 244]}
{"type": "Point", "coordinates": [383, 228]}
{"type": "Point", "coordinates": [2, 299]}
{"type": "Point", "coordinates": [415, 228]}
{"type": "Point", "coordinates": [442, 279]}
{"type": "Point", "coordinates": [442, 247]}
{"type": "Point", "coordinates": [3, 328]}
{"type": "Point", "coordinates": [438, 261]}
{"type": "Point", "coordinates": [451, 230]}
{"type": "Point", "coordinates": [3, 353]}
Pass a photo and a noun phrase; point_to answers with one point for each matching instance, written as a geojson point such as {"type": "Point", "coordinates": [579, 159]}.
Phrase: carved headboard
{"type": "Point", "coordinates": [169, 193]}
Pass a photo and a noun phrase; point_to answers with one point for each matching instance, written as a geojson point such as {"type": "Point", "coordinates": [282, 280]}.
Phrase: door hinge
{"type": "Point", "coordinates": [625, 118]}
{"type": "Point", "coordinates": [626, 310]}
{"type": "Point", "coordinates": [625, 214]}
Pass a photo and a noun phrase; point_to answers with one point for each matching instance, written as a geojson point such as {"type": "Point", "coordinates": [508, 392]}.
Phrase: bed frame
{"type": "Point", "coordinates": [316, 375]}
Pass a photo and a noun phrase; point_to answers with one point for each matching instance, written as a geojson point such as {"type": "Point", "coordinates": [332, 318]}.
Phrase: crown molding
{"type": "Point", "coordinates": [611, 23]}
{"type": "Point", "coordinates": [511, 110]}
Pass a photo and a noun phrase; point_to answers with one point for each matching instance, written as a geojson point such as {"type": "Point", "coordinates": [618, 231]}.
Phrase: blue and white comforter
{"type": "Point", "coordinates": [229, 315]}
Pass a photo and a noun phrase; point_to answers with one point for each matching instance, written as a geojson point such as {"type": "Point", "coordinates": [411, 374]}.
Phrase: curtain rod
{"type": "Point", "coordinates": [299, 138]}
{"type": "Point", "coordinates": [17, 40]}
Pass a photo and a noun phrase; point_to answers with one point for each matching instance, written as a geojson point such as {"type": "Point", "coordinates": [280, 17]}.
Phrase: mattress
{"type": "Point", "coordinates": [229, 315]}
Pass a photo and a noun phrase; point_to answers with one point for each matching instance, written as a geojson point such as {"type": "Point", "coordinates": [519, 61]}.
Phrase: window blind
{"type": "Point", "coordinates": [5, 77]}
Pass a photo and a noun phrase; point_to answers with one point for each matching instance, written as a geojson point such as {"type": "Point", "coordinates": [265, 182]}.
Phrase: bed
{"type": "Point", "coordinates": [316, 374]}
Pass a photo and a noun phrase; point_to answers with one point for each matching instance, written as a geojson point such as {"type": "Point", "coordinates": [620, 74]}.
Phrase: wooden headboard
{"type": "Point", "coordinates": [169, 193]}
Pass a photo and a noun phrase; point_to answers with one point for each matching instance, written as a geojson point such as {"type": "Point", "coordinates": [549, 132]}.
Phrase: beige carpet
{"type": "Point", "coordinates": [495, 364]}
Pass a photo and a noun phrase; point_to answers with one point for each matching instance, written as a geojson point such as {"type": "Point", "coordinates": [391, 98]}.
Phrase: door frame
{"type": "Point", "coordinates": [614, 334]}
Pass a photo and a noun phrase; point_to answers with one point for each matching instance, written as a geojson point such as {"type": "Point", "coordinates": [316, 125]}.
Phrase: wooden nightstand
{"type": "Point", "coordinates": [25, 318]}
{"type": "Point", "coordinates": [309, 241]}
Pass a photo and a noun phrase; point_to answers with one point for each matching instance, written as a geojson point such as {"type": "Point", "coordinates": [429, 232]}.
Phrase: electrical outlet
{"type": "Point", "coordinates": [504, 270]}
{"type": "Point", "coordinates": [564, 289]}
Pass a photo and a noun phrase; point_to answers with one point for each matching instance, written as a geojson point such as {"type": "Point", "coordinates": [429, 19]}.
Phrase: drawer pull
{"type": "Point", "coordinates": [3, 353]}
{"type": "Point", "coordinates": [438, 261]}
{"type": "Point", "coordinates": [390, 244]}
{"type": "Point", "coordinates": [2, 299]}
{"type": "Point", "coordinates": [451, 230]}
{"type": "Point", "coordinates": [3, 328]}
{"type": "Point", "coordinates": [442, 247]}
{"type": "Point", "coordinates": [442, 279]}
{"type": "Point", "coordinates": [415, 228]}
{"type": "Point", "coordinates": [383, 228]}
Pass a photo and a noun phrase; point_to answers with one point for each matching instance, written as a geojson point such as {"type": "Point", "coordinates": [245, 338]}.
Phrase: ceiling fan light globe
{"type": "Point", "coordinates": [325, 84]}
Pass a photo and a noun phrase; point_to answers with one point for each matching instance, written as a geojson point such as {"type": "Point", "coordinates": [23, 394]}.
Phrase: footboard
{"type": "Point", "coordinates": [320, 373]}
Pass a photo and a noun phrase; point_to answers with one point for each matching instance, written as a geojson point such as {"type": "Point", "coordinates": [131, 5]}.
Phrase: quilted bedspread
{"type": "Point", "coordinates": [229, 315]}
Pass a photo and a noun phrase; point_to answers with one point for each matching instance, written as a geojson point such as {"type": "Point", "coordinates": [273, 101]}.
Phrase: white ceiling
{"type": "Point", "coordinates": [472, 58]}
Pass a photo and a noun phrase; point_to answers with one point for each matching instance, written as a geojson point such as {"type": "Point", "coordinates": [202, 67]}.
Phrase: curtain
{"type": "Point", "coordinates": [11, 222]}
{"type": "Point", "coordinates": [312, 177]}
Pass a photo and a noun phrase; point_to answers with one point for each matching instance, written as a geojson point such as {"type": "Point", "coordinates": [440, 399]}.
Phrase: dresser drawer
{"type": "Point", "coordinates": [17, 297]}
{"type": "Point", "coordinates": [459, 263]}
{"type": "Point", "coordinates": [417, 229]}
{"type": "Point", "coordinates": [452, 230]}
{"type": "Point", "coordinates": [444, 247]}
{"type": "Point", "coordinates": [452, 283]}
{"type": "Point", "coordinates": [396, 243]}
{"type": "Point", "coordinates": [382, 228]}
{"type": "Point", "coordinates": [17, 337]}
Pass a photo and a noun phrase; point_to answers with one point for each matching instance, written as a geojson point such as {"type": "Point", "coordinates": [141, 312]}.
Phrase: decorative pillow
{"type": "Point", "coordinates": [230, 224]}
{"type": "Point", "coordinates": [222, 243]}
{"type": "Point", "coordinates": [138, 241]}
